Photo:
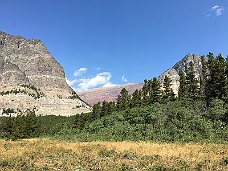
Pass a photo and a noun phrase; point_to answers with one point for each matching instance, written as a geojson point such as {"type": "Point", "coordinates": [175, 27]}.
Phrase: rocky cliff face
{"type": "Point", "coordinates": [183, 65]}
{"type": "Point", "coordinates": [30, 78]}
{"type": "Point", "coordinates": [111, 93]}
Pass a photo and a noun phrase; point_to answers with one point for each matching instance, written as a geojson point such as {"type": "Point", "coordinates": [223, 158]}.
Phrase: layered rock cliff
{"type": "Point", "coordinates": [30, 78]}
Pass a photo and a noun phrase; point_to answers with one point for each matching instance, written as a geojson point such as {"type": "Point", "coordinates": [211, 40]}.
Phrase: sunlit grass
{"type": "Point", "coordinates": [44, 154]}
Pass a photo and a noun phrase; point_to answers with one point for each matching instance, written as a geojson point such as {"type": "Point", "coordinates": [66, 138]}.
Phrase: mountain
{"type": "Point", "coordinates": [111, 93]}
{"type": "Point", "coordinates": [183, 65]}
{"type": "Point", "coordinates": [108, 94]}
{"type": "Point", "coordinates": [30, 78]}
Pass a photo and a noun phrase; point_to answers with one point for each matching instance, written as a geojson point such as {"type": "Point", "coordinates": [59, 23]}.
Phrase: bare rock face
{"type": "Point", "coordinates": [30, 78]}
{"type": "Point", "coordinates": [183, 65]}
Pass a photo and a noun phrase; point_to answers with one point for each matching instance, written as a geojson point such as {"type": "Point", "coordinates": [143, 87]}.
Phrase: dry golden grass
{"type": "Point", "coordinates": [44, 154]}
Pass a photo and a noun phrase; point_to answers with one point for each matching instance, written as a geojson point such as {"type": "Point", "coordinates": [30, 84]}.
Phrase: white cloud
{"type": "Point", "coordinates": [215, 11]}
{"type": "Point", "coordinates": [70, 82]}
{"type": "Point", "coordinates": [80, 72]}
{"type": "Point", "coordinates": [109, 84]}
{"type": "Point", "coordinates": [214, 7]}
{"type": "Point", "coordinates": [124, 78]}
{"type": "Point", "coordinates": [101, 79]}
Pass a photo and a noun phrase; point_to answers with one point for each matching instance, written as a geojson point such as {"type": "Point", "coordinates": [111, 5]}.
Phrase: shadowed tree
{"type": "Point", "coordinates": [182, 86]}
{"type": "Point", "coordinates": [96, 113]}
{"type": "Point", "coordinates": [155, 92]}
{"type": "Point", "coordinates": [216, 82]}
{"type": "Point", "coordinates": [168, 91]}
{"type": "Point", "coordinates": [192, 83]}
{"type": "Point", "coordinates": [203, 78]}
{"type": "Point", "coordinates": [123, 100]}
{"type": "Point", "coordinates": [136, 99]}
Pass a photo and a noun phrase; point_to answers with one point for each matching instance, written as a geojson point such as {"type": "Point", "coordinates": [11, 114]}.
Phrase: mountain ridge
{"type": "Point", "coordinates": [31, 79]}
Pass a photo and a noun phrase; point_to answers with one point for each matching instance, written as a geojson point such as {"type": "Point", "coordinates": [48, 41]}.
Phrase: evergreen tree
{"type": "Point", "coordinates": [182, 86]}
{"type": "Point", "coordinates": [226, 82]}
{"type": "Point", "coordinates": [96, 113]}
{"type": "Point", "coordinates": [145, 93]}
{"type": "Point", "coordinates": [32, 125]}
{"type": "Point", "coordinates": [21, 126]}
{"type": "Point", "coordinates": [216, 82]}
{"type": "Point", "coordinates": [123, 100]}
{"type": "Point", "coordinates": [155, 93]}
{"type": "Point", "coordinates": [192, 84]}
{"type": "Point", "coordinates": [136, 99]}
{"type": "Point", "coordinates": [203, 78]}
{"type": "Point", "coordinates": [7, 127]}
{"type": "Point", "coordinates": [168, 91]}
{"type": "Point", "coordinates": [105, 108]}
{"type": "Point", "coordinates": [111, 107]}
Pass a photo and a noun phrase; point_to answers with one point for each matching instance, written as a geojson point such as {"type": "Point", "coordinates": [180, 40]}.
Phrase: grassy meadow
{"type": "Point", "coordinates": [46, 154]}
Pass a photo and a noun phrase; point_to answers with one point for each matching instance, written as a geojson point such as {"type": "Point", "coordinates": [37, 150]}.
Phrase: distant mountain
{"type": "Point", "coordinates": [108, 94]}
{"type": "Point", "coordinates": [30, 78]}
{"type": "Point", "coordinates": [111, 93]}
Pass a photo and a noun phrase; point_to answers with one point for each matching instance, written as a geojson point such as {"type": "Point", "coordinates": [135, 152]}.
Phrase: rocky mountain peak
{"type": "Point", "coordinates": [183, 65]}
{"type": "Point", "coordinates": [28, 62]}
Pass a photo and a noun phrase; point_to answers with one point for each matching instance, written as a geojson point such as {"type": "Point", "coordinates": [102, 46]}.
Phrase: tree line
{"type": "Point", "coordinates": [212, 83]}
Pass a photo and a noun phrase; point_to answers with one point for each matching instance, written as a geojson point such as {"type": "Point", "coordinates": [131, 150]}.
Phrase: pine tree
{"type": "Point", "coordinates": [111, 107]}
{"type": "Point", "coordinates": [192, 84]}
{"type": "Point", "coordinates": [96, 113]}
{"type": "Point", "coordinates": [104, 108]}
{"type": "Point", "coordinates": [221, 76]}
{"type": "Point", "coordinates": [203, 78]}
{"type": "Point", "coordinates": [210, 78]}
{"type": "Point", "coordinates": [168, 91]}
{"type": "Point", "coordinates": [123, 100]}
{"type": "Point", "coordinates": [182, 86]}
{"type": "Point", "coordinates": [226, 82]}
{"type": "Point", "coordinates": [136, 99]}
{"type": "Point", "coordinates": [145, 93]}
{"type": "Point", "coordinates": [154, 91]}
{"type": "Point", "coordinates": [216, 82]}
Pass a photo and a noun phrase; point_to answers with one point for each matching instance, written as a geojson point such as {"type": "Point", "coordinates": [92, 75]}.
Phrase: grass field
{"type": "Point", "coordinates": [45, 154]}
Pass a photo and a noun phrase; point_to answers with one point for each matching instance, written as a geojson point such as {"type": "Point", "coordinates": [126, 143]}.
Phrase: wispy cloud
{"type": "Point", "coordinates": [102, 79]}
{"type": "Point", "coordinates": [98, 68]}
{"type": "Point", "coordinates": [124, 78]}
{"type": "Point", "coordinates": [215, 11]}
{"type": "Point", "coordinates": [71, 82]}
{"type": "Point", "coordinates": [80, 72]}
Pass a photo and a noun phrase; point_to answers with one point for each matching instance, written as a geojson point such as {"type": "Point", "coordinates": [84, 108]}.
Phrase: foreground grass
{"type": "Point", "coordinates": [44, 154]}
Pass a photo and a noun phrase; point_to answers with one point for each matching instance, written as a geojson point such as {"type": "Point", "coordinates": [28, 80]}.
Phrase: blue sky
{"type": "Point", "coordinates": [112, 42]}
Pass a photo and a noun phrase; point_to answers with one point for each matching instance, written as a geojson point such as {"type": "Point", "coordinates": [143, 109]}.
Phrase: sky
{"type": "Point", "coordinates": [112, 42]}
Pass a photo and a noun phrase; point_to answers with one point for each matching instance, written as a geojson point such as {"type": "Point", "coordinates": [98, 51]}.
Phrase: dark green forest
{"type": "Point", "coordinates": [199, 112]}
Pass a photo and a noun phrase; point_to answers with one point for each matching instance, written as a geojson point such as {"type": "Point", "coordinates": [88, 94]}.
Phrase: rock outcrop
{"type": "Point", "coordinates": [30, 78]}
{"type": "Point", "coordinates": [183, 65]}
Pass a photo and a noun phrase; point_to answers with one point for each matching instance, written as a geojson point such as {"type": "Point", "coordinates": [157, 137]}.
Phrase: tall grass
{"type": "Point", "coordinates": [44, 154]}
